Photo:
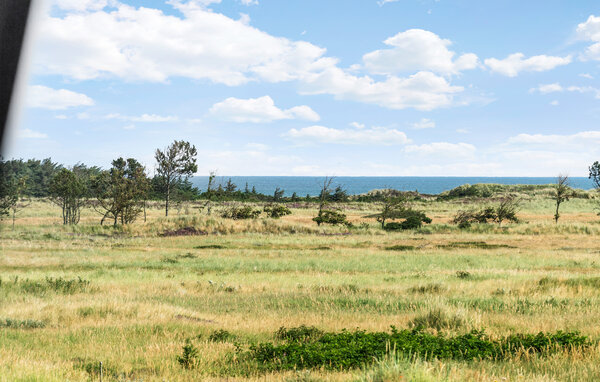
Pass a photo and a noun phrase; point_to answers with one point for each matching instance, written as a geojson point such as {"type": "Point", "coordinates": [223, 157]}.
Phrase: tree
{"type": "Point", "coordinates": [393, 207]}
{"type": "Point", "coordinates": [121, 191]}
{"type": "Point", "coordinates": [12, 190]}
{"type": "Point", "coordinates": [595, 174]}
{"type": "Point", "coordinates": [323, 196]}
{"type": "Point", "coordinates": [562, 193]}
{"type": "Point", "coordinates": [8, 194]}
{"type": "Point", "coordinates": [278, 194]}
{"type": "Point", "coordinates": [339, 195]}
{"type": "Point", "coordinates": [174, 162]}
{"type": "Point", "coordinates": [507, 210]}
{"type": "Point", "coordinates": [67, 190]}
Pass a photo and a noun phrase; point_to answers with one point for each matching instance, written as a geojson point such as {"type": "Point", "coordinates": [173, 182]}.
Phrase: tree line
{"type": "Point", "coordinates": [120, 194]}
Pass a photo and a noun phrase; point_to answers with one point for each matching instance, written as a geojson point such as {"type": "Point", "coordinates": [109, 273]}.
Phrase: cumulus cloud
{"type": "Point", "coordinates": [372, 136]}
{"type": "Point", "coordinates": [418, 49]}
{"type": "Point", "coordinates": [259, 110]}
{"type": "Point", "coordinates": [590, 31]}
{"type": "Point", "coordinates": [143, 44]}
{"type": "Point", "coordinates": [43, 97]}
{"type": "Point", "coordinates": [515, 63]}
{"type": "Point", "coordinates": [547, 88]}
{"type": "Point", "coordinates": [424, 123]}
{"type": "Point", "coordinates": [421, 91]}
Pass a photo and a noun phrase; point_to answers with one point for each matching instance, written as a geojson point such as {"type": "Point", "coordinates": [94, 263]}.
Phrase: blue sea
{"type": "Point", "coordinates": [311, 185]}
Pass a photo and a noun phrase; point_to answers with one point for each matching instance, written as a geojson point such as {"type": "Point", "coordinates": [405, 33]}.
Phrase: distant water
{"type": "Point", "coordinates": [311, 185]}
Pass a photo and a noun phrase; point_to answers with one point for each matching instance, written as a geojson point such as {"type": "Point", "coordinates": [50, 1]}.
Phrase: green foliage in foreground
{"type": "Point", "coordinates": [349, 350]}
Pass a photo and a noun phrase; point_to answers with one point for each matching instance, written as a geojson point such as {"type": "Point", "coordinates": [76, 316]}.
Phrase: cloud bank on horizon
{"type": "Point", "coordinates": [284, 88]}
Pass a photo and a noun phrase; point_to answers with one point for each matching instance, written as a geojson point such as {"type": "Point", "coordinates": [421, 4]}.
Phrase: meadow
{"type": "Point", "coordinates": [132, 297]}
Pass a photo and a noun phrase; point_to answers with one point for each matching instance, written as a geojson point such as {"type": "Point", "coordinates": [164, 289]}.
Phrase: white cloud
{"type": "Point", "coordinates": [142, 118]}
{"type": "Point", "coordinates": [422, 91]}
{"type": "Point", "coordinates": [259, 110]}
{"type": "Point", "coordinates": [555, 103]}
{"type": "Point", "coordinates": [129, 127]}
{"type": "Point", "coordinates": [590, 31]}
{"type": "Point", "coordinates": [143, 44]}
{"type": "Point", "coordinates": [442, 148]}
{"type": "Point", "coordinates": [357, 125]}
{"type": "Point", "coordinates": [30, 134]}
{"type": "Point", "coordinates": [556, 139]}
{"type": "Point", "coordinates": [55, 99]}
{"type": "Point", "coordinates": [372, 136]}
{"type": "Point", "coordinates": [83, 5]}
{"type": "Point", "coordinates": [586, 75]}
{"type": "Point", "coordinates": [424, 123]}
{"type": "Point", "coordinates": [515, 63]}
{"type": "Point", "coordinates": [249, 2]}
{"type": "Point", "coordinates": [556, 87]}
{"type": "Point", "coordinates": [547, 88]}
{"type": "Point", "coordinates": [418, 49]}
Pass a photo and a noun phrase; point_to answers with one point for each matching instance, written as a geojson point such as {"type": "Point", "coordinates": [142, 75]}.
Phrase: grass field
{"type": "Point", "coordinates": [71, 297]}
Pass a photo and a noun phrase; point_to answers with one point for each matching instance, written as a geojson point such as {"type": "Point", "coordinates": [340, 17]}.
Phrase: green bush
{"type": "Point", "coordinates": [413, 220]}
{"type": "Point", "coordinates": [331, 217]}
{"type": "Point", "coordinates": [348, 350]}
{"type": "Point", "coordinates": [189, 358]}
{"type": "Point", "coordinates": [220, 336]}
{"type": "Point", "coordinates": [276, 211]}
{"type": "Point", "coordinates": [240, 213]}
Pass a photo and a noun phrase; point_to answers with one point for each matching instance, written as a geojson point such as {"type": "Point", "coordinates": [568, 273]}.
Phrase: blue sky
{"type": "Point", "coordinates": [302, 87]}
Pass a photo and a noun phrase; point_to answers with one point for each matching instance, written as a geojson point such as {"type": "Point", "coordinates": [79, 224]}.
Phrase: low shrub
{"type": "Point", "coordinates": [463, 274]}
{"type": "Point", "coordinates": [276, 211]}
{"type": "Point", "coordinates": [348, 350]}
{"type": "Point", "coordinates": [413, 220]}
{"type": "Point", "coordinates": [331, 217]}
{"type": "Point", "coordinates": [220, 335]}
{"type": "Point", "coordinates": [240, 213]}
{"type": "Point", "coordinates": [189, 358]}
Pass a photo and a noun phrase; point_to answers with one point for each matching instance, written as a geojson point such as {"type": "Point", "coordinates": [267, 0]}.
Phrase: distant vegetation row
{"type": "Point", "coordinates": [120, 194]}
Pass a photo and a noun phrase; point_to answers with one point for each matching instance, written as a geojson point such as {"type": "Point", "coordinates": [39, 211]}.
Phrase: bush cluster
{"type": "Point", "coordinates": [413, 220]}
{"type": "Point", "coordinates": [240, 213]}
{"type": "Point", "coordinates": [276, 211]}
{"type": "Point", "coordinates": [347, 350]}
{"type": "Point", "coordinates": [331, 217]}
